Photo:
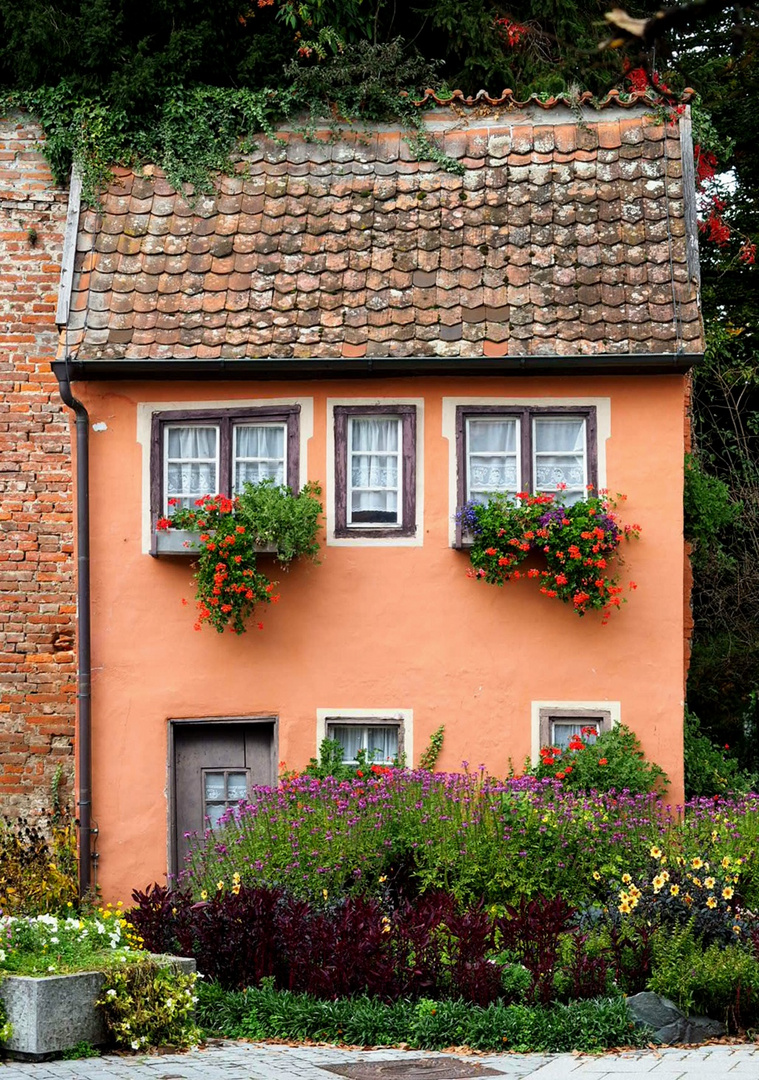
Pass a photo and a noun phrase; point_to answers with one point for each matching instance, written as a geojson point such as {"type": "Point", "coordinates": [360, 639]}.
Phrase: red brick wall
{"type": "Point", "coordinates": [37, 598]}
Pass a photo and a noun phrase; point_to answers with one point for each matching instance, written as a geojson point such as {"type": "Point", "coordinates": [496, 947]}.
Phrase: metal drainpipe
{"type": "Point", "coordinates": [84, 662]}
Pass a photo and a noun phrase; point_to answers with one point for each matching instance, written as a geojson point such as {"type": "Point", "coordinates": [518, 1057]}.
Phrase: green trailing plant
{"type": "Point", "coordinates": [79, 1051]}
{"type": "Point", "coordinates": [612, 760]}
{"type": "Point", "coordinates": [6, 1028]}
{"type": "Point", "coordinates": [231, 533]}
{"type": "Point", "coordinates": [149, 1005]}
{"type": "Point", "coordinates": [430, 754]}
{"type": "Point", "coordinates": [576, 546]}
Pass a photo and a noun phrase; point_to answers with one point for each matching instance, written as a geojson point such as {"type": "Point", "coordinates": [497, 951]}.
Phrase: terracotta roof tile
{"type": "Point", "coordinates": [558, 238]}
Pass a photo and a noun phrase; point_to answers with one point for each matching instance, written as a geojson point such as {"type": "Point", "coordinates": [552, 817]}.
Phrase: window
{"type": "Point", "coordinates": [557, 725]}
{"type": "Point", "coordinates": [375, 470]}
{"type": "Point", "coordinates": [218, 452]}
{"type": "Point", "coordinates": [380, 739]}
{"type": "Point", "coordinates": [221, 789]}
{"type": "Point", "coordinates": [502, 449]}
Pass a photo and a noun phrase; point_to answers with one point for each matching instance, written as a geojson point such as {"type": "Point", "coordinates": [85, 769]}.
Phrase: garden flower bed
{"type": "Point", "coordinates": [415, 895]}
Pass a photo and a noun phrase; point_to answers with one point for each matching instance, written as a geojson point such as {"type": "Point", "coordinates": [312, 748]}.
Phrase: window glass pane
{"type": "Point", "coordinates": [560, 457]}
{"type": "Point", "coordinates": [191, 464]}
{"type": "Point", "coordinates": [380, 742]}
{"type": "Point", "coordinates": [214, 812]}
{"type": "Point", "coordinates": [213, 784]}
{"type": "Point", "coordinates": [259, 454]}
{"type": "Point", "coordinates": [237, 786]}
{"type": "Point", "coordinates": [562, 731]}
{"type": "Point", "coordinates": [374, 470]}
{"type": "Point", "coordinates": [492, 457]}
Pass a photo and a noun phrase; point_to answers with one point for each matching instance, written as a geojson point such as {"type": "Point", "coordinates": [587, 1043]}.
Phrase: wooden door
{"type": "Point", "coordinates": [215, 766]}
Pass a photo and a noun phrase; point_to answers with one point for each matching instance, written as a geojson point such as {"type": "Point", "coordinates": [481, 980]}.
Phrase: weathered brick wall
{"type": "Point", "coordinates": [37, 598]}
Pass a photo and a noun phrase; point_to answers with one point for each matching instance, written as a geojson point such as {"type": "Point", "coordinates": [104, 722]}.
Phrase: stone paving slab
{"type": "Point", "coordinates": [265, 1061]}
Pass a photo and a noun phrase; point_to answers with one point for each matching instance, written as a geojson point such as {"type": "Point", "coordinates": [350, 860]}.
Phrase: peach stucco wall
{"type": "Point", "coordinates": [373, 627]}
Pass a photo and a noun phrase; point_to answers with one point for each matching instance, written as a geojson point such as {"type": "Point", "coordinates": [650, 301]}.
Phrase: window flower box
{"type": "Point", "coordinates": [52, 1013]}
{"type": "Point", "coordinates": [185, 542]}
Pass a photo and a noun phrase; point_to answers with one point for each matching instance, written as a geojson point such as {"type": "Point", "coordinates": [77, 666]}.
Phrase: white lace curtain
{"type": "Point", "coordinates": [380, 743]}
{"type": "Point", "coordinates": [259, 454]}
{"type": "Point", "coordinates": [559, 448]}
{"type": "Point", "coordinates": [191, 463]}
{"type": "Point", "coordinates": [493, 463]}
{"type": "Point", "coordinates": [374, 469]}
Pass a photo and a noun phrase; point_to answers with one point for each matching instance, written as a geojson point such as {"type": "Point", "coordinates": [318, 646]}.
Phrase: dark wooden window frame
{"type": "Point", "coordinates": [368, 721]}
{"type": "Point", "coordinates": [224, 419]}
{"type": "Point", "coordinates": [576, 715]}
{"type": "Point", "coordinates": [407, 415]}
{"type": "Point", "coordinates": [525, 414]}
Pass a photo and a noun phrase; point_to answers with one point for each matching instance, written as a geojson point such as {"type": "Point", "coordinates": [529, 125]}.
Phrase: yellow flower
{"type": "Point", "coordinates": [674, 890]}
{"type": "Point", "coordinates": [633, 902]}
{"type": "Point", "coordinates": [709, 883]}
{"type": "Point", "coordinates": [697, 882]}
{"type": "Point", "coordinates": [626, 879]}
{"type": "Point", "coordinates": [726, 862]}
{"type": "Point", "coordinates": [325, 893]}
{"type": "Point", "coordinates": [625, 908]}
{"type": "Point", "coordinates": [736, 929]}
{"type": "Point", "coordinates": [688, 898]}
{"type": "Point", "coordinates": [204, 895]}
{"type": "Point", "coordinates": [596, 876]}
{"type": "Point", "coordinates": [711, 902]}
{"type": "Point", "coordinates": [697, 863]}
{"type": "Point", "coordinates": [727, 893]}
{"type": "Point", "coordinates": [635, 891]}
{"type": "Point", "coordinates": [655, 852]}
{"type": "Point", "coordinates": [658, 883]}
{"type": "Point", "coordinates": [219, 885]}
{"type": "Point", "coordinates": [624, 897]}
{"type": "Point", "coordinates": [236, 889]}
{"type": "Point", "coordinates": [382, 878]}
{"type": "Point", "coordinates": [235, 878]}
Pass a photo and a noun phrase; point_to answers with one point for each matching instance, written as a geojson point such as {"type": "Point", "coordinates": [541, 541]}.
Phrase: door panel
{"type": "Point", "coordinates": [213, 765]}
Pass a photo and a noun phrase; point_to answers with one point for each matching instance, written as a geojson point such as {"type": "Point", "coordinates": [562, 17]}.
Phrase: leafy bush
{"type": "Point", "coordinates": [709, 769]}
{"type": "Point", "coordinates": [6, 1028]}
{"type": "Point", "coordinates": [610, 761]}
{"type": "Point", "coordinates": [149, 1005]}
{"type": "Point", "coordinates": [38, 868]}
{"type": "Point", "coordinates": [722, 982]}
{"type": "Point", "coordinates": [361, 945]}
{"type": "Point", "coordinates": [266, 1013]}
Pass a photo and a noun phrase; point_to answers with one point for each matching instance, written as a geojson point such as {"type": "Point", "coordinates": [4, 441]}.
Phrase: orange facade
{"type": "Point", "coordinates": [390, 627]}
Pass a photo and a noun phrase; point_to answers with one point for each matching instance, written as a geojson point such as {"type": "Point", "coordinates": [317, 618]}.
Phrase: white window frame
{"type": "Point", "coordinates": [608, 714]}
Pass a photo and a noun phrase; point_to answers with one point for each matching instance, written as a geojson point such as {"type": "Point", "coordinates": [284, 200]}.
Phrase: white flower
{"type": "Point", "coordinates": [135, 1044]}
{"type": "Point", "coordinates": [51, 968]}
{"type": "Point", "coordinates": [54, 940]}
{"type": "Point", "coordinates": [110, 993]}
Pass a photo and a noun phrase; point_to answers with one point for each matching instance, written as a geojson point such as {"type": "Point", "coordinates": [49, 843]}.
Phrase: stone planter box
{"type": "Point", "coordinates": [178, 542]}
{"type": "Point", "coordinates": [53, 1013]}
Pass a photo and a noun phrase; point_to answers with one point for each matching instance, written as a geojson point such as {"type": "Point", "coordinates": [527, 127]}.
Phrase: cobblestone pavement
{"type": "Point", "coordinates": [256, 1061]}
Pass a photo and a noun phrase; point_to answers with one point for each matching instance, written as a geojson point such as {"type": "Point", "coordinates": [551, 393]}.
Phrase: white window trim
{"type": "Point", "coordinates": [591, 708]}
{"type": "Point", "coordinates": [404, 717]}
{"type": "Point", "coordinates": [146, 410]}
{"type": "Point", "coordinates": [375, 541]}
{"type": "Point", "coordinates": [602, 406]}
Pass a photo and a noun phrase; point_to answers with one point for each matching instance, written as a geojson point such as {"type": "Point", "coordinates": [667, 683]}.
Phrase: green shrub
{"type": "Point", "coordinates": [265, 1013]}
{"type": "Point", "coordinates": [709, 770]}
{"type": "Point", "coordinates": [714, 981]}
{"type": "Point", "coordinates": [6, 1029]}
{"type": "Point", "coordinates": [612, 760]}
{"type": "Point", "coordinates": [149, 1005]}
{"type": "Point", "coordinates": [38, 870]}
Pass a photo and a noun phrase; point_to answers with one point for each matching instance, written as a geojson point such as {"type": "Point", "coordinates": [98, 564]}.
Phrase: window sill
{"type": "Point", "coordinates": [181, 543]}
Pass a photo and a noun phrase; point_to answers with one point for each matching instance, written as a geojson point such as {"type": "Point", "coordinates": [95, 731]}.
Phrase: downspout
{"type": "Point", "coordinates": [82, 492]}
{"type": "Point", "coordinates": [84, 628]}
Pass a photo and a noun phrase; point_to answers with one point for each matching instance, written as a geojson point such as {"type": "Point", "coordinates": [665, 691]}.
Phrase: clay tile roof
{"type": "Point", "coordinates": [561, 237]}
